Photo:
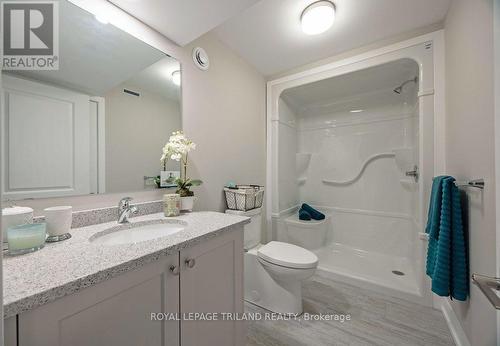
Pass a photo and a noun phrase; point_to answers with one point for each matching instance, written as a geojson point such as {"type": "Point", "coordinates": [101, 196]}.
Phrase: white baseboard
{"type": "Point", "coordinates": [456, 329]}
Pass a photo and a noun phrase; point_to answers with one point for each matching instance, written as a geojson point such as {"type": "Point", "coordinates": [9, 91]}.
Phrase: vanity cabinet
{"type": "Point", "coordinates": [114, 312]}
{"type": "Point", "coordinates": [204, 278]}
{"type": "Point", "coordinates": [212, 281]}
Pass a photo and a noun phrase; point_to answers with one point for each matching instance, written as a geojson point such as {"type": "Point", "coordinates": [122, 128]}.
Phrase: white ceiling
{"type": "Point", "coordinates": [157, 78]}
{"type": "Point", "coordinates": [354, 90]}
{"type": "Point", "coordinates": [89, 52]}
{"type": "Point", "coordinates": [269, 36]}
{"type": "Point", "coordinates": [183, 21]}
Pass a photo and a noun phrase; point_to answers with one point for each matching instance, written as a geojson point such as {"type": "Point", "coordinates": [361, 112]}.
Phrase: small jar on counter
{"type": "Point", "coordinates": [172, 204]}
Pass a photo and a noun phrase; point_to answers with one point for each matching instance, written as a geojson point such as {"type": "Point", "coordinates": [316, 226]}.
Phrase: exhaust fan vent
{"type": "Point", "coordinates": [131, 92]}
{"type": "Point", "coordinates": [200, 58]}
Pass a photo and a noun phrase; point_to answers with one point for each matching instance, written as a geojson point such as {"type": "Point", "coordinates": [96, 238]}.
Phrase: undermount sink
{"type": "Point", "coordinates": [138, 232]}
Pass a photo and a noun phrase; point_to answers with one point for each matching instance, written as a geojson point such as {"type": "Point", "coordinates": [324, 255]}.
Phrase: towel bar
{"type": "Point", "coordinates": [477, 183]}
{"type": "Point", "coordinates": [488, 286]}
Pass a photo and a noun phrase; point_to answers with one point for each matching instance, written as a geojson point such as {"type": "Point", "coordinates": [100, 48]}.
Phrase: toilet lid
{"type": "Point", "coordinates": [288, 255]}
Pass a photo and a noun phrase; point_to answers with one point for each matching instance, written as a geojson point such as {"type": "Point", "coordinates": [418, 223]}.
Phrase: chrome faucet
{"type": "Point", "coordinates": [124, 210]}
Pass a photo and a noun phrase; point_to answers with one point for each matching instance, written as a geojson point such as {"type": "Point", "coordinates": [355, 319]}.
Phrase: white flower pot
{"type": "Point", "coordinates": [187, 203]}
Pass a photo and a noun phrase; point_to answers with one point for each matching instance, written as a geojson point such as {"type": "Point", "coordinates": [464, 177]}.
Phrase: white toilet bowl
{"type": "Point", "coordinates": [285, 274]}
{"type": "Point", "coordinates": [273, 276]}
{"type": "Point", "coordinates": [274, 271]}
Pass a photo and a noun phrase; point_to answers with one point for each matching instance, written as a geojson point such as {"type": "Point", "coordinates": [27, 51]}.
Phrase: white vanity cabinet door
{"type": "Point", "coordinates": [114, 312]}
{"type": "Point", "coordinates": [213, 283]}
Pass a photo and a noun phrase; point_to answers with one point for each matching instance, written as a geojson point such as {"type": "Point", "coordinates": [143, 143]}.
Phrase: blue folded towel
{"type": "Point", "coordinates": [315, 214]}
{"type": "Point", "coordinates": [304, 215]}
{"type": "Point", "coordinates": [447, 262]}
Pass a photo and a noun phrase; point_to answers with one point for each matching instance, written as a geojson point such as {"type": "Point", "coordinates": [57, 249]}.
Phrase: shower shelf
{"type": "Point", "coordinates": [363, 167]}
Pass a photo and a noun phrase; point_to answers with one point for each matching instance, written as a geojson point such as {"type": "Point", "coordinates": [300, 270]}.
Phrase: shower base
{"type": "Point", "coordinates": [379, 272]}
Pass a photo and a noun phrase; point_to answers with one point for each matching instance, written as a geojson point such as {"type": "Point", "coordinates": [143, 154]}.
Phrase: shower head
{"type": "Point", "coordinates": [399, 89]}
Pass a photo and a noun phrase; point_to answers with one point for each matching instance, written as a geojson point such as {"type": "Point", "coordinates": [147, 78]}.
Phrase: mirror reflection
{"type": "Point", "coordinates": [94, 125]}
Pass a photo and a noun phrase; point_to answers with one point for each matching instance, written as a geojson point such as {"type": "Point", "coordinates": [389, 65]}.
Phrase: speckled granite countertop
{"type": "Point", "coordinates": [60, 269]}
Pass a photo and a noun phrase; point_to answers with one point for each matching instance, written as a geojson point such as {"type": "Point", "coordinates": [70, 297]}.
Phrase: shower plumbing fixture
{"type": "Point", "coordinates": [413, 173]}
{"type": "Point", "coordinates": [399, 89]}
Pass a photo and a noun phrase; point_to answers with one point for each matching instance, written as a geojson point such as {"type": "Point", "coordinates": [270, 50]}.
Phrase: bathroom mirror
{"type": "Point", "coordinates": [96, 125]}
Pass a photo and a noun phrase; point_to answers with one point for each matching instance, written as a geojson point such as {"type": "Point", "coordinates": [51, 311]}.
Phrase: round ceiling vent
{"type": "Point", "coordinates": [200, 58]}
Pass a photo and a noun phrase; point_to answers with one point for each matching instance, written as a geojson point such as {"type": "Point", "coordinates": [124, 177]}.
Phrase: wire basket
{"type": "Point", "coordinates": [244, 197]}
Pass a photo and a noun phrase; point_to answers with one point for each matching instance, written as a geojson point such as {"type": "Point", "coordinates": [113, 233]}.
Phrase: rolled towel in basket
{"type": "Point", "coordinates": [304, 215]}
{"type": "Point", "coordinates": [315, 214]}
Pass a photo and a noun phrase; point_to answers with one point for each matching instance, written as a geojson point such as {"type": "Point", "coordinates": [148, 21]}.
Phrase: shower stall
{"type": "Point", "coordinates": [356, 146]}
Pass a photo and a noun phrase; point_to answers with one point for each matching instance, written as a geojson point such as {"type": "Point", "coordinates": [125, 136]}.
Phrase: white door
{"type": "Point", "coordinates": [97, 145]}
{"type": "Point", "coordinates": [94, 161]}
{"type": "Point", "coordinates": [212, 282]}
{"type": "Point", "coordinates": [45, 134]}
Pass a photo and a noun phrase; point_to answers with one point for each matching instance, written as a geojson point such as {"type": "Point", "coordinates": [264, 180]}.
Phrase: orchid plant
{"type": "Point", "coordinates": [177, 149]}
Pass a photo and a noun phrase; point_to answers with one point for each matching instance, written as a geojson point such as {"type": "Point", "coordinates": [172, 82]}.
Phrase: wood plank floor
{"type": "Point", "coordinates": [375, 320]}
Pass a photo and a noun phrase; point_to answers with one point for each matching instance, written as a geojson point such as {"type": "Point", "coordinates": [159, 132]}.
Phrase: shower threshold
{"type": "Point", "coordinates": [379, 272]}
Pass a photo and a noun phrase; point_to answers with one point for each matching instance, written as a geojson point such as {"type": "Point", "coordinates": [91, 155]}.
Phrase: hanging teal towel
{"type": "Point", "coordinates": [447, 264]}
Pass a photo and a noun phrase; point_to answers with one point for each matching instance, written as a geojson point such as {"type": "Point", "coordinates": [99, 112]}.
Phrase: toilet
{"type": "Point", "coordinates": [274, 271]}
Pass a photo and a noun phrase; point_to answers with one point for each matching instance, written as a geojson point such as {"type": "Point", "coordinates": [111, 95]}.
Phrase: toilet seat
{"type": "Point", "coordinates": [287, 255]}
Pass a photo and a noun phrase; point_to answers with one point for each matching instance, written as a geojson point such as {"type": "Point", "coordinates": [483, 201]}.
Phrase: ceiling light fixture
{"type": "Point", "coordinates": [176, 77]}
{"type": "Point", "coordinates": [356, 111]}
{"type": "Point", "coordinates": [317, 17]}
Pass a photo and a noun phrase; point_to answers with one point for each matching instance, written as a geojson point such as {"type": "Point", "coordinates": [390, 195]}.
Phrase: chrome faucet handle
{"type": "Point", "coordinates": [124, 202]}
{"type": "Point", "coordinates": [124, 209]}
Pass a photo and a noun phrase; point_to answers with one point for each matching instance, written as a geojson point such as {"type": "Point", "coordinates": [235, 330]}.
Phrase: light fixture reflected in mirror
{"type": "Point", "coordinates": [176, 77]}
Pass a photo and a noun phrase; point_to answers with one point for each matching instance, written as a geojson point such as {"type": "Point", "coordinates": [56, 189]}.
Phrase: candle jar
{"type": "Point", "coordinates": [26, 238]}
{"type": "Point", "coordinates": [13, 216]}
{"type": "Point", "coordinates": [171, 204]}
{"type": "Point", "coordinates": [58, 221]}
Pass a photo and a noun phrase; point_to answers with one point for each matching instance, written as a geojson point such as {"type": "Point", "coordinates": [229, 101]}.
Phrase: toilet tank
{"type": "Point", "coordinates": [253, 229]}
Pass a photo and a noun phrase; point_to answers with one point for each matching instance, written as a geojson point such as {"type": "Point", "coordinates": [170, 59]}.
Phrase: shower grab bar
{"type": "Point", "coordinates": [363, 167]}
{"type": "Point", "coordinates": [477, 183]}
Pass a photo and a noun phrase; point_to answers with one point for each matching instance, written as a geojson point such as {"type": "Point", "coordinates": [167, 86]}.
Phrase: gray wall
{"type": "Point", "coordinates": [224, 114]}
{"type": "Point", "coordinates": [470, 146]}
{"type": "Point", "coordinates": [137, 128]}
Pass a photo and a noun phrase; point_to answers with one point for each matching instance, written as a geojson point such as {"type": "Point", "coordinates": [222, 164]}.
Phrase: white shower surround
{"type": "Point", "coordinates": [427, 52]}
{"type": "Point", "coordinates": [353, 176]}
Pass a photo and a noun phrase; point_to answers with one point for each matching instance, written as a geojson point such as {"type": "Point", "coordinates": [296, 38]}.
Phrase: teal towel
{"type": "Point", "coordinates": [315, 214]}
{"type": "Point", "coordinates": [447, 263]}
{"type": "Point", "coordinates": [304, 215]}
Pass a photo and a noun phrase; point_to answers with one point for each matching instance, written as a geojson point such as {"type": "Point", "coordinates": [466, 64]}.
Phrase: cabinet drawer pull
{"type": "Point", "coordinates": [174, 269]}
{"type": "Point", "coordinates": [190, 262]}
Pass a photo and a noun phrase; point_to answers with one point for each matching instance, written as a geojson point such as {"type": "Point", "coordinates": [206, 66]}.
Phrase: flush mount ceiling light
{"type": "Point", "coordinates": [317, 17]}
{"type": "Point", "coordinates": [176, 77]}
